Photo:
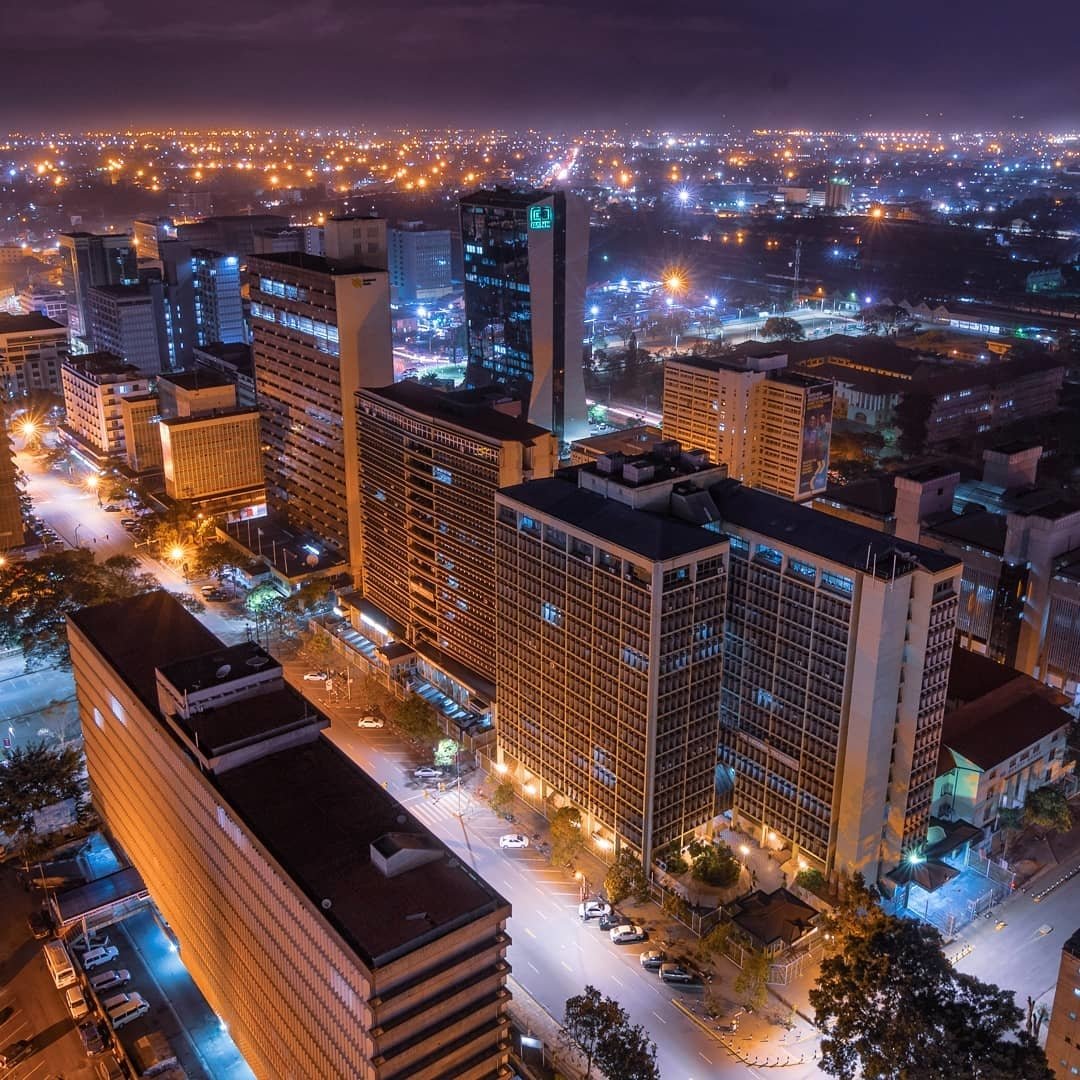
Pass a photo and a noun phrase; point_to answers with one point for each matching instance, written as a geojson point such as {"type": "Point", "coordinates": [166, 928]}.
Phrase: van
{"type": "Point", "coordinates": [76, 1003]}
{"type": "Point", "coordinates": [123, 1008]}
{"type": "Point", "coordinates": [101, 954]}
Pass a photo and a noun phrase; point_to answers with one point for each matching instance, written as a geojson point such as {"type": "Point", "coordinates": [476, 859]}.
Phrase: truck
{"type": "Point", "coordinates": [59, 964]}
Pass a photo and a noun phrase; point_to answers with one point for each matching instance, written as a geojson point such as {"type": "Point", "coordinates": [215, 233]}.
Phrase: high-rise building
{"type": "Point", "coordinates": [219, 307]}
{"type": "Point", "coordinates": [214, 461]}
{"type": "Point", "coordinates": [41, 300]}
{"type": "Point", "coordinates": [361, 239]}
{"type": "Point", "coordinates": [149, 234]}
{"type": "Point", "coordinates": [234, 363]}
{"type": "Point", "coordinates": [141, 415]}
{"type": "Point", "coordinates": [419, 261]}
{"type": "Point", "coordinates": [838, 194]}
{"type": "Point", "coordinates": [430, 464]}
{"type": "Point", "coordinates": [95, 385]}
{"type": "Point", "coordinates": [838, 643]}
{"type": "Point", "coordinates": [178, 298]}
{"type": "Point", "coordinates": [32, 348]}
{"type": "Point", "coordinates": [328, 929]}
{"type": "Point", "coordinates": [610, 642]}
{"type": "Point", "coordinates": [320, 332]}
{"type": "Point", "coordinates": [12, 532]}
{"type": "Point", "coordinates": [195, 393]}
{"type": "Point", "coordinates": [231, 235]}
{"type": "Point", "coordinates": [526, 258]}
{"type": "Point", "coordinates": [129, 321]}
{"type": "Point", "coordinates": [1063, 1032]}
{"type": "Point", "coordinates": [90, 260]}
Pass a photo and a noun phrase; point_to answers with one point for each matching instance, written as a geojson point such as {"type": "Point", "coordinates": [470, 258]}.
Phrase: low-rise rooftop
{"type": "Point", "coordinates": [199, 378]}
{"type": "Point", "coordinates": [319, 264]}
{"type": "Point", "coordinates": [35, 322]}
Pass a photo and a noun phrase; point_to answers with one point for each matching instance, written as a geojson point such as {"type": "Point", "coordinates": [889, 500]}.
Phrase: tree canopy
{"type": "Point", "coordinates": [781, 326]}
{"type": "Point", "coordinates": [599, 1028]}
{"type": "Point", "coordinates": [625, 877]}
{"type": "Point", "coordinates": [32, 778]}
{"type": "Point", "coordinates": [1047, 808]}
{"type": "Point", "coordinates": [566, 839]}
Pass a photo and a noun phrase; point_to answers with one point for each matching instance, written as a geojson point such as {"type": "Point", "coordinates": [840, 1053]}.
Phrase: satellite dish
{"type": "Point", "coordinates": [935, 834]}
{"type": "Point", "coordinates": [327, 905]}
{"type": "Point", "coordinates": [223, 671]}
{"type": "Point", "coordinates": [312, 560]}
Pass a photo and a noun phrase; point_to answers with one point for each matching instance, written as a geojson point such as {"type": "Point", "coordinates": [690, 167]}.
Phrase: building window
{"type": "Point", "coordinates": [117, 710]}
{"type": "Point", "coordinates": [769, 555]}
{"type": "Point", "coordinates": [98, 718]}
{"type": "Point", "coordinates": [550, 613]}
{"type": "Point", "coordinates": [837, 582]}
{"type": "Point", "coordinates": [444, 476]}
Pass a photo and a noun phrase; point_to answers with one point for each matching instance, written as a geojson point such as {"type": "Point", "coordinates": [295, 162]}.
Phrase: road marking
{"type": "Point", "coordinates": [567, 966]}
{"type": "Point", "coordinates": [616, 978]}
{"type": "Point", "coordinates": [529, 932]}
{"type": "Point", "coordinates": [533, 966]}
{"type": "Point", "coordinates": [704, 1058]}
{"type": "Point", "coordinates": [659, 1017]}
{"type": "Point", "coordinates": [542, 915]}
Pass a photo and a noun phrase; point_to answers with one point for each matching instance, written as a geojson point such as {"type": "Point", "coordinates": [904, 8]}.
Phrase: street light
{"type": "Point", "coordinates": [93, 484]}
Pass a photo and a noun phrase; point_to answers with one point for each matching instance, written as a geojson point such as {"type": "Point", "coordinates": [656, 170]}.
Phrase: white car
{"type": "Point", "coordinates": [103, 954]}
{"type": "Point", "coordinates": [369, 721]}
{"type": "Point", "coordinates": [316, 676]}
{"type": "Point", "coordinates": [426, 772]}
{"type": "Point", "coordinates": [627, 933]}
{"type": "Point", "coordinates": [593, 909]}
{"type": "Point", "coordinates": [513, 840]}
{"type": "Point", "coordinates": [108, 979]}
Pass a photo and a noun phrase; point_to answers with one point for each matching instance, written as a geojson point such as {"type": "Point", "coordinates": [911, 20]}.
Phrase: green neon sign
{"type": "Point", "coordinates": [541, 217]}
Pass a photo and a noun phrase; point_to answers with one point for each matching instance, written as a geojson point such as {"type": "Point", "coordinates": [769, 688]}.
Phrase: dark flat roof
{"type": "Point", "coordinates": [652, 535]}
{"type": "Point", "coordinates": [510, 198]}
{"type": "Point", "coordinates": [874, 494]}
{"type": "Point", "coordinates": [111, 889]}
{"type": "Point", "coordinates": [194, 673]}
{"type": "Point", "coordinates": [320, 264]}
{"type": "Point", "coordinates": [202, 378]}
{"type": "Point", "coordinates": [24, 324]}
{"type": "Point", "coordinates": [463, 408]}
{"type": "Point", "coordinates": [247, 721]}
{"type": "Point", "coordinates": [981, 529]}
{"type": "Point", "coordinates": [830, 537]}
{"type": "Point", "coordinates": [123, 292]}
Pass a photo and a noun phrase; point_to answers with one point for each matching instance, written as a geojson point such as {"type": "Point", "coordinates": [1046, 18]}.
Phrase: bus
{"type": "Point", "coordinates": [59, 963]}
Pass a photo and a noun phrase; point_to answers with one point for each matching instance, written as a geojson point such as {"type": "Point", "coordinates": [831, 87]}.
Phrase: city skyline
{"type": "Point", "coordinates": [632, 64]}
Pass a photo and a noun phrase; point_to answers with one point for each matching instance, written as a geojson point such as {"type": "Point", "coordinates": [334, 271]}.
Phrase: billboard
{"type": "Point", "coordinates": [817, 433]}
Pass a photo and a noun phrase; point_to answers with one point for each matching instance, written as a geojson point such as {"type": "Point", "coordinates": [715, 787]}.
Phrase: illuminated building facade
{"type": "Point", "coordinates": [1063, 1032]}
{"type": "Point", "coordinates": [32, 348]}
{"type": "Point", "coordinates": [419, 261]}
{"type": "Point", "coordinates": [95, 385]}
{"type": "Point", "coordinates": [130, 321]}
{"type": "Point", "coordinates": [89, 260]}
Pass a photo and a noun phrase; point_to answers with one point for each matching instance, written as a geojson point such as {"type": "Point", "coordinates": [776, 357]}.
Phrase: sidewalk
{"type": "Point", "coordinates": [535, 1021]}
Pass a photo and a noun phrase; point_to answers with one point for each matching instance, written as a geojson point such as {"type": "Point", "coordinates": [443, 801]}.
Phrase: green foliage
{"type": "Point", "coordinates": [599, 1028]}
{"type": "Point", "coordinates": [502, 798]}
{"type": "Point", "coordinates": [32, 778]}
{"type": "Point", "coordinates": [317, 649]}
{"type": "Point", "coordinates": [751, 982]}
{"type": "Point", "coordinates": [675, 906]}
{"type": "Point", "coordinates": [189, 602]}
{"type": "Point", "coordinates": [1047, 808]}
{"type": "Point", "coordinates": [811, 878]}
{"type": "Point", "coordinates": [446, 753]}
{"type": "Point", "coordinates": [676, 864]}
{"type": "Point", "coordinates": [264, 599]}
{"type": "Point", "coordinates": [780, 326]}
{"type": "Point", "coordinates": [215, 557]}
{"type": "Point", "coordinates": [625, 877]}
{"type": "Point", "coordinates": [415, 718]}
{"type": "Point", "coordinates": [715, 864]}
{"type": "Point", "coordinates": [566, 840]}
{"type": "Point", "coordinates": [37, 596]}
{"type": "Point", "coordinates": [310, 595]}
{"type": "Point", "coordinates": [715, 941]}
{"type": "Point", "coordinates": [950, 1024]}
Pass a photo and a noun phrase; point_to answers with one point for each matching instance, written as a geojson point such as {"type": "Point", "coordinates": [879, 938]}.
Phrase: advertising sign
{"type": "Point", "coordinates": [817, 433]}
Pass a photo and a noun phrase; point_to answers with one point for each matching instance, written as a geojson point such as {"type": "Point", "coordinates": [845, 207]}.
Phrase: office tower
{"type": "Point", "coordinates": [331, 932]}
{"type": "Point", "coordinates": [838, 194]}
{"type": "Point", "coordinates": [40, 300]}
{"type": "Point", "coordinates": [526, 256]}
{"type": "Point", "coordinates": [837, 650]}
{"type": "Point", "coordinates": [320, 332]}
{"type": "Point", "coordinates": [12, 532]}
{"type": "Point", "coordinates": [149, 234]}
{"type": "Point", "coordinates": [1063, 1032]}
{"type": "Point", "coordinates": [708, 403]}
{"type": "Point", "coordinates": [609, 646]}
{"type": "Point", "coordinates": [178, 298]}
{"type": "Point", "coordinates": [278, 241]}
{"type": "Point", "coordinates": [214, 461]}
{"type": "Point", "coordinates": [362, 239]}
{"type": "Point", "coordinates": [129, 321]}
{"type": "Point", "coordinates": [231, 235]}
{"type": "Point", "coordinates": [419, 262]}
{"type": "Point", "coordinates": [140, 415]}
{"type": "Point", "coordinates": [89, 260]}
{"type": "Point", "coordinates": [194, 393]}
{"type": "Point", "coordinates": [32, 348]}
{"type": "Point", "coordinates": [430, 464]}
{"type": "Point", "coordinates": [219, 306]}
{"type": "Point", "coordinates": [234, 363]}
{"type": "Point", "coordinates": [95, 385]}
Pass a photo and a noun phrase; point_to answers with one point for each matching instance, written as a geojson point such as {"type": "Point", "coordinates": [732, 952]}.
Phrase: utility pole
{"type": "Point", "coordinates": [795, 286]}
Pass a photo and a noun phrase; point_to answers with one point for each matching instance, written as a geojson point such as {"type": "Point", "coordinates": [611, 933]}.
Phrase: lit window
{"type": "Point", "coordinates": [444, 476]}
{"type": "Point", "coordinates": [98, 718]}
{"type": "Point", "coordinates": [117, 710]}
{"type": "Point", "coordinates": [550, 613]}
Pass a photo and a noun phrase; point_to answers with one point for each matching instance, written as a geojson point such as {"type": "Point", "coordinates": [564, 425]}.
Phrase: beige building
{"type": "Point", "coordinates": [142, 438]}
{"type": "Point", "coordinates": [1063, 1034]}
{"type": "Point", "coordinates": [214, 458]}
{"type": "Point", "coordinates": [192, 393]}
{"type": "Point", "coordinates": [95, 385]}
{"type": "Point", "coordinates": [12, 533]}
{"type": "Point", "coordinates": [331, 932]}
{"type": "Point", "coordinates": [32, 348]}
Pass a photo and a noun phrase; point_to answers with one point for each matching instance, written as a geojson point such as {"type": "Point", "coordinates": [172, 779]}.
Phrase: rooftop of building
{"type": "Point", "coordinates": [209, 416]}
{"type": "Point", "coordinates": [319, 264]}
{"type": "Point", "coordinates": [741, 358]}
{"type": "Point", "coordinates": [511, 198]}
{"type": "Point", "coordinates": [628, 441]}
{"type": "Point", "coordinates": [773, 917]}
{"type": "Point", "coordinates": [205, 669]}
{"type": "Point", "coordinates": [123, 292]}
{"type": "Point", "coordinates": [199, 378]}
{"type": "Point", "coordinates": [467, 409]}
{"type": "Point", "coordinates": [234, 353]}
{"type": "Point", "coordinates": [1072, 946]}
{"type": "Point", "coordinates": [976, 528]}
{"type": "Point", "coordinates": [315, 811]}
{"type": "Point", "coordinates": [26, 324]}
{"type": "Point", "coordinates": [840, 541]}
{"type": "Point", "coordinates": [873, 494]}
{"type": "Point", "coordinates": [102, 363]}
{"type": "Point", "coordinates": [1001, 710]}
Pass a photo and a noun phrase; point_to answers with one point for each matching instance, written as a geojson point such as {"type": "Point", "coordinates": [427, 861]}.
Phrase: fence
{"type": "Point", "coordinates": [1000, 875]}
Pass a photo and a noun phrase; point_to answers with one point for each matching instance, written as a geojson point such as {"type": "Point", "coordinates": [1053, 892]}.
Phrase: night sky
{"type": "Point", "coordinates": [711, 63]}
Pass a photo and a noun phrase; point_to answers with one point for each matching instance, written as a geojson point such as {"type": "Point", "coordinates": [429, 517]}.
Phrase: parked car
{"type": "Point", "coordinates": [40, 925]}
{"type": "Point", "coordinates": [513, 840]}
{"type": "Point", "coordinates": [651, 959]}
{"type": "Point", "coordinates": [206, 590]}
{"type": "Point", "coordinates": [90, 1034]}
{"type": "Point", "coordinates": [129, 522]}
{"type": "Point", "coordinates": [627, 934]}
{"type": "Point", "coordinates": [611, 920]}
{"type": "Point", "coordinates": [107, 980]}
{"type": "Point", "coordinates": [369, 722]}
{"type": "Point", "coordinates": [676, 973]}
{"type": "Point", "coordinates": [76, 1003]}
{"type": "Point", "coordinates": [15, 1052]}
{"type": "Point", "coordinates": [112, 508]}
{"type": "Point", "coordinates": [427, 772]}
{"type": "Point", "coordinates": [316, 676]}
{"type": "Point", "coordinates": [103, 954]}
{"type": "Point", "coordinates": [593, 909]}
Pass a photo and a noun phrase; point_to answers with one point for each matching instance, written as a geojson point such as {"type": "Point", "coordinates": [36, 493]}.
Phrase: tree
{"type": "Point", "coordinates": [715, 864]}
{"type": "Point", "coordinates": [215, 557]}
{"type": "Point", "coordinates": [415, 718]}
{"type": "Point", "coordinates": [267, 605]}
{"type": "Point", "coordinates": [913, 419]}
{"type": "Point", "coordinates": [1047, 808]}
{"type": "Point", "coordinates": [882, 317]}
{"type": "Point", "coordinates": [675, 906]}
{"type": "Point", "coordinates": [751, 982]}
{"type": "Point", "coordinates": [625, 877]}
{"type": "Point", "coordinates": [32, 778]}
{"type": "Point", "coordinates": [812, 879]}
{"type": "Point", "coordinates": [310, 595]}
{"type": "Point", "coordinates": [566, 839]}
{"type": "Point", "coordinates": [445, 753]}
{"type": "Point", "coordinates": [950, 1024]}
{"type": "Point", "coordinates": [502, 798]}
{"type": "Point", "coordinates": [599, 1028]}
{"type": "Point", "coordinates": [317, 650]}
{"type": "Point", "coordinates": [714, 943]}
{"type": "Point", "coordinates": [780, 326]}
{"type": "Point", "coordinates": [1010, 821]}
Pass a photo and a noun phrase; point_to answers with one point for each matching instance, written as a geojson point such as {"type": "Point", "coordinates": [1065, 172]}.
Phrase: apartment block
{"type": "Point", "coordinates": [609, 644]}
{"type": "Point", "coordinates": [195, 392]}
{"type": "Point", "coordinates": [95, 385]}
{"type": "Point", "coordinates": [1063, 1032]}
{"type": "Point", "coordinates": [213, 460]}
{"type": "Point", "coordinates": [430, 465]}
{"type": "Point", "coordinates": [129, 321]}
{"type": "Point", "coordinates": [838, 644]}
{"type": "Point", "coordinates": [32, 348]}
{"type": "Point", "coordinates": [419, 262]}
{"type": "Point", "coordinates": [331, 932]}
{"type": "Point", "coordinates": [321, 331]}
{"type": "Point", "coordinates": [89, 260]}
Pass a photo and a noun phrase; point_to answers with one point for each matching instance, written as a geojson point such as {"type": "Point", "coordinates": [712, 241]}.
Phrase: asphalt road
{"type": "Point", "coordinates": [554, 955]}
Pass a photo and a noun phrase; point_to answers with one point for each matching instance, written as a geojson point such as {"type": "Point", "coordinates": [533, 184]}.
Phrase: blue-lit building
{"type": "Point", "coordinates": [525, 257]}
{"type": "Point", "coordinates": [419, 262]}
{"type": "Point", "coordinates": [219, 308]}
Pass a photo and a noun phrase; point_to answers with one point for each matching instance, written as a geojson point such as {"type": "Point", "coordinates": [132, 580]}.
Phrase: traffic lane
{"type": "Point", "coordinates": [554, 954]}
